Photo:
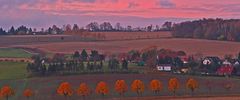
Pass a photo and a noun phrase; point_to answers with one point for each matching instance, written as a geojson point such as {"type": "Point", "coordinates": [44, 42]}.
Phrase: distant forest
{"type": "Point", "coordinates": [212, 29]}
{"type": "Point", "coordinates": [91, 27]}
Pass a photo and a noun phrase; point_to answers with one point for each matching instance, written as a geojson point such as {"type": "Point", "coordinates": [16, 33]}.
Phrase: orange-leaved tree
{"type": "Point", "coordinates": [173, 85]}
{"type": "Point", "coordinates": [65, 89]}
{"type": "Point", "coordinates": [6, 92]}
{"type": "Point", "coordinates": [83, 90]}
{"type": "Point", "coordinates": [28, 93]}
{"type": "Point", "coordinates": [138, 87]}
{"type": "Point", "coordinates": [121, 87]}
{"type": "Point", "coordinates": [156, 86]}
{"type": "Point", "coordinates": [102, 88]}
{"type": "Point", "coordinates": [192, 84]}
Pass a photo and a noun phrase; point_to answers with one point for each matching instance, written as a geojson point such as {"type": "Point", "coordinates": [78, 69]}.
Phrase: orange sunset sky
{"type": "Point", "coordinates": [44, 13]}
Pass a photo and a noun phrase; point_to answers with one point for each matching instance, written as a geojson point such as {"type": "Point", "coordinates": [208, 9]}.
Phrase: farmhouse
{"type": "Point", "coordinates": [225, 69]}
{"type": "Point", "coordinates": [165, 67]}
{"type": "Point", "coordinates": [210, 64]}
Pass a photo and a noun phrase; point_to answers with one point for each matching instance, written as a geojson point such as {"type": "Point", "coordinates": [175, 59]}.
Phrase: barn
{"type": "Point", "coordinates": [225, 69]}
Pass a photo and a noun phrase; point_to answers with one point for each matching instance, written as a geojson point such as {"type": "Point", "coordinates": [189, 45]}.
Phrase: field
{"type": "Point", "coordinates": [13, 53]}
{"type": "Point", "coordinates": [134, 35]}
{"type": "Point", "coordinates": [12, 70]}
{"type": "Point", "coordinates": [17, 70]}
{"type": "Point", "coordinates": [191, 46]}
{"type": "Point", "coordinates": [14, 73]}
{"type": "Point", "coordinates": [119, 42]}
{"type": "Point", "coordinates": [6, 41]}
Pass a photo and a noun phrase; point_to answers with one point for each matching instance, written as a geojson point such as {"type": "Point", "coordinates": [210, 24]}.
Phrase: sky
{"type": "Point", "coordinates": [45, 13]}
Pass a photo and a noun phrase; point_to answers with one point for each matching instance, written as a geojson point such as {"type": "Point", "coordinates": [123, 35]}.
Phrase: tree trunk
{"type": "Point", "coordinates": [174, 93]}
{"type": "Point", "coordinates": [103, 96]}
{"type": "Point", "coordinates": [192, 92]}
{"type": "Point", "coordinates": [84, 97]}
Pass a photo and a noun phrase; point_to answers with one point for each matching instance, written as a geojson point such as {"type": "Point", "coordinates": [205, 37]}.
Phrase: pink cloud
{"type": "Point", "coordinates": [68, 11]}
{"type": "Point", "coordinates": [140, 8]}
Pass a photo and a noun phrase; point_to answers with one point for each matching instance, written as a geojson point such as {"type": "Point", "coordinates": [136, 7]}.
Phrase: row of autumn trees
{"type": "Point", "coordinates": [214, 29]}
{"type": "Point", "coordinates": [102, 88]}
{"type": "Point", "coordinates": [75, 29]}
{"type": "Point", "coordinates": [121, 87]}
{"type": "Point", "coordinates": [7, 91]}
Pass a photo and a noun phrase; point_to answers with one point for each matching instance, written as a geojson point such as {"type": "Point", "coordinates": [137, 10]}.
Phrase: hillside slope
{"type": "Point", "coordinates": [191, 46]}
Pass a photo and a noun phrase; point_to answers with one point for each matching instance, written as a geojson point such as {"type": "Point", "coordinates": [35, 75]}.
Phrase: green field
{"type": "Point", "coordinates": [17, 70]}
{"type": "Point", "coordinates": [12, 70]}
{"type": "Point", "coordinates": [13, 53]}
{"type": "Point", "coordinates": [15, 75]}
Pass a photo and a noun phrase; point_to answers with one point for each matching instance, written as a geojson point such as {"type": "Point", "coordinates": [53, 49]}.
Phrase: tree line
{"type": "Point", "coordinates": [120, 87]}
{"type": "Point", "coordinates": [213, 29]}
{"type": "Point", "coordinates": [102, 88]}
{"type": "Point", "coordinates": [78, 63]}
{"type": "Point", "coordinates": [94, 61]}
{"type": "Point", "coordinates": [91, 27]}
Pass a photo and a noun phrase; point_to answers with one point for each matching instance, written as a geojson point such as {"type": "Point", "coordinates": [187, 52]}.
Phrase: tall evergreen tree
{"type": "Point", "coordinates": [12, 31]}
{"type": "Point", "coordinates": [50, 30]}
{"type": "Point", "coordinates": [84, 55]}
{"type": "Point", "coordinates": [22, 30]}
{"type": "Point", "coordinates": [94, 55]}
{"type": "Point", "coordinates": [75, 28]}
{"type": "Point", "coordinates": [30, 31]}
{"type": "Point", "coordinates": [2, 32]}
{"type": "Point", "coordinates": [76, 55]}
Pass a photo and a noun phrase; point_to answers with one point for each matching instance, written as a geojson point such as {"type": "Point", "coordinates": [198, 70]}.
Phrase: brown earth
{"type": "Point", "coordinates": [6, 41]}
{"type": "Point", "coordinates": [84, 37]}
{"type": "Point", "coordinates": [118, 42]}
{"type": "Point", "coordinates": [134, 35]}
{"type": "Point", "coordinates": [191, 46]}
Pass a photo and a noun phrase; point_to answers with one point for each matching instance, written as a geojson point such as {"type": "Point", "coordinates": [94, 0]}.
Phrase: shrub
{"type": "Point", "coordinates": [27, 93]}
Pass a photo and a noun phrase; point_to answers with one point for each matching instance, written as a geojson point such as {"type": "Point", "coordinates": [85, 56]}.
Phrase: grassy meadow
{"type": "Point", "coordinates": [13, 53]}
{"type": "Point", "coordinates": [12, 70]}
